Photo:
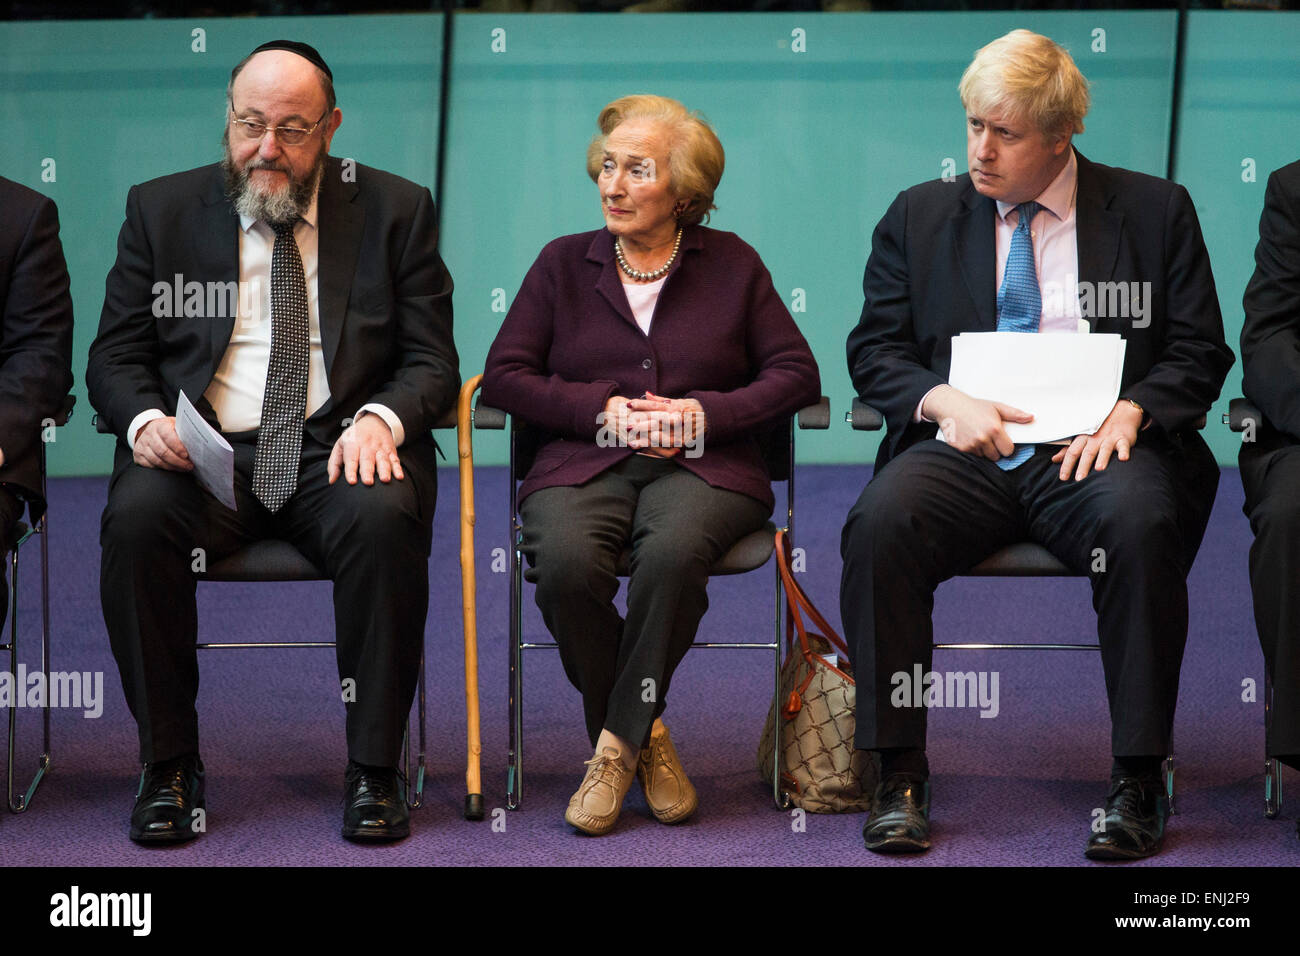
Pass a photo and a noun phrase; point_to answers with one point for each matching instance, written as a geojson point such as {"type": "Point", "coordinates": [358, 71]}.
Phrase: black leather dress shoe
{"type": "Point", "coordinates": [899, 821]}
{"type": "Point", "coordinates": [1134, 827]}
{"type": "Point", "coordinates": [374, 804]}
{"type": "Point", "coordinates": [170, 792]}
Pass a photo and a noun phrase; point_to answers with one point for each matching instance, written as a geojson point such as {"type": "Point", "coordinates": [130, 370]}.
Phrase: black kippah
{"type": "Point", "coordinates": [302, 49]}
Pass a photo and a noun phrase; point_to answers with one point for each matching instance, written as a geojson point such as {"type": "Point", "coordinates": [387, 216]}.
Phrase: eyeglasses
{"type": "Point", "coordinates": [285, 135]}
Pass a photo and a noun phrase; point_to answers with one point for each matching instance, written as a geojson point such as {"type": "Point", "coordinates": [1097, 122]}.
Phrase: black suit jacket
{"type": "Point", "coordinates": [931, 275]}
{"type": "Point", "coordinates": [35, 332]}
{"type": "Point", "coordinates": [384, 294]}
{"type": "Point", "coordinates": [1270, 337]}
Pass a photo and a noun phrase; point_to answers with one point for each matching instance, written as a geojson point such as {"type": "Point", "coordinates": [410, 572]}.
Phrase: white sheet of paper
{"type": "Point", "coordinates": [1068, 382]}
{"type": "Point", "coordinates": [213, 458]}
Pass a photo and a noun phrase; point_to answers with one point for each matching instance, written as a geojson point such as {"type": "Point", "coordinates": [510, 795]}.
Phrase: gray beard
{"type": "Point", "coordinates": [282, 206]}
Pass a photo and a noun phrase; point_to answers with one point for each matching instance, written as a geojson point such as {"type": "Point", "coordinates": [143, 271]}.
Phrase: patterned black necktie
{"type": "Point", "coordinates": [284, 402]}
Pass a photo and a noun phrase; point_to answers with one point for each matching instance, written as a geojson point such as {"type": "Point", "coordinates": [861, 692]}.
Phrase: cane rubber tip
{"type": "Point", "coordinates": [474, 806]}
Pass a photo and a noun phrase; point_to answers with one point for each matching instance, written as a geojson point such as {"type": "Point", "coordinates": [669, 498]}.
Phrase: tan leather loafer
{"type": "Point", "coordinates": [595, 807]}
{"type": "Point", "coordinates": [669, 793]}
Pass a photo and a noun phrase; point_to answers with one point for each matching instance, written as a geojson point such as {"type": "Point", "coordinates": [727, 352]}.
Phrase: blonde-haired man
{"type": "Point", "coordinates": [987, 252]}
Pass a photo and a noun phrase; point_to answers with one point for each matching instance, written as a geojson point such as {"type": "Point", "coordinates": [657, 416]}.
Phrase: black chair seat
{"type": "Point", "coordinates": [1024, 559]}
{"type": "Point", "coordinates": [268, 560]}
{"type": "Point", "coordinates": [747, 554]}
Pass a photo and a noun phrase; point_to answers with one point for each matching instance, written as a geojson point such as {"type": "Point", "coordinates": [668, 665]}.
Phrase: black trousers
{"type": "Point", "coordinates": [677, 527]}
{"type": "Point", "coordinates": [1270, 473]}
{"type": "Point", "coordinates": [933, 512]}
{"type": "Point", "coordinates": [372, 541]}
{"type": "Point", "coordinates": [11, 509]}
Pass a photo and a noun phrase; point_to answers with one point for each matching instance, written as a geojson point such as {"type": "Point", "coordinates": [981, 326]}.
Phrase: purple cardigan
{"type": "Point", "coordinates": [720, 335]}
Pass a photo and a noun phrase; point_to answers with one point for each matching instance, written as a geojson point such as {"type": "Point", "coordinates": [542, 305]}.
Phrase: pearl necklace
{"type": "Point", "coordinates": [637, 273]}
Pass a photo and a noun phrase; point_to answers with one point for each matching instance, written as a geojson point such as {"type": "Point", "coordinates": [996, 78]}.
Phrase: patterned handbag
{"type": "Point", "coordinates": [820, 768]}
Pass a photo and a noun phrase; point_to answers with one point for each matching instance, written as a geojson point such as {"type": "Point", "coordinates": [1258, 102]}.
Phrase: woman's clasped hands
{"type": "Point", "coordinates": [658, 425]}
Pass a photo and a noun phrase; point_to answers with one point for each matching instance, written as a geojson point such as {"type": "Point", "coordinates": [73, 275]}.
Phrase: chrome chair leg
{"type": "Point", "coordinates": [1169, 781]}
{"type": "Point", "coordinates": [21, 802]}
{"type": "Point", "coordinates": [779, 796]}
{"type": "Point", "coordinates": [416, 799]}
{"type": "Point", "coordinates": [1272, 768]}
{"type": "Point", "coordinates": [515, 757]}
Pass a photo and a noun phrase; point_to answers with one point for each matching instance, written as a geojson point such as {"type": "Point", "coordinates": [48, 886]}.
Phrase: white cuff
{"type": "Point", "coordinates": [917, 416]}
{"type": "Point", "coordinates": [144, 418]}
{"type": "Point", "coordinates": [390, 418]}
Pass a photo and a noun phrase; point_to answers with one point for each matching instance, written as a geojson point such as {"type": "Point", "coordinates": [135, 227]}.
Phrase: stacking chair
{"type": "Point", "coordinates": [22, 533]}
{"type": "Point", "coordinates": [748, 554]}
{"type": "Point", "coordinates": [1024, 559]}
{"type": "Point", "coordinates": [271, 560]}
{"type": "Point", "coordinates": [1242, 415]}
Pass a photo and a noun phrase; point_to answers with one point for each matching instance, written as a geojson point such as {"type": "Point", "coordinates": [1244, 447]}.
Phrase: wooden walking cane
{"type": "Point", "coordinates": [468, 591]}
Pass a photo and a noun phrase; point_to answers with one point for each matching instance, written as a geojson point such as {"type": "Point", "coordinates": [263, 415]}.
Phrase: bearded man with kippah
{"type": "Point", "coordinates": [301, 306]}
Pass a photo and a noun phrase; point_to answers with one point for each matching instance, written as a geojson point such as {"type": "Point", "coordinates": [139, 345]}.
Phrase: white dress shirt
{"type": "Point", "coordinates": [1056, 254]}
{"type": "Point", "coordinates": [239, 384]}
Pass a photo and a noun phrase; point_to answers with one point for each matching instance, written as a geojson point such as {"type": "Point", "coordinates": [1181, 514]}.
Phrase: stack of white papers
{"type": "Point", "coordinates": [1068, 382]}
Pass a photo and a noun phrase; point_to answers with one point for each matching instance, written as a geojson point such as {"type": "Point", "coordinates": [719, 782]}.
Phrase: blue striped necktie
{"type": "Point", "coordinates": [1020, 301]}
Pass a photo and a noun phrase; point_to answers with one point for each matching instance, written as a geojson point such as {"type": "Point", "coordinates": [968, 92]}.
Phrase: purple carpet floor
{"type": "Point", "coordinates": [272, 721]}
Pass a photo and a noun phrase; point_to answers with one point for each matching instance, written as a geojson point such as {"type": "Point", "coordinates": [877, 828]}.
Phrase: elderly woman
{"type": "Point", "coordinates": [651, 354]}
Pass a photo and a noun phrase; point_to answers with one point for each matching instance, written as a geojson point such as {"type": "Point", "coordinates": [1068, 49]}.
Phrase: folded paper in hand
{"type": "Point", "coordinates": [210, 453]}
{"type": "Point", "coordinates": [1068, 382]}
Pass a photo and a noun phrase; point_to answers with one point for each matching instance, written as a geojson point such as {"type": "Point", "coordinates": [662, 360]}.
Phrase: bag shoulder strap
{"type": "Point", "coordinates": [798, 601]}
